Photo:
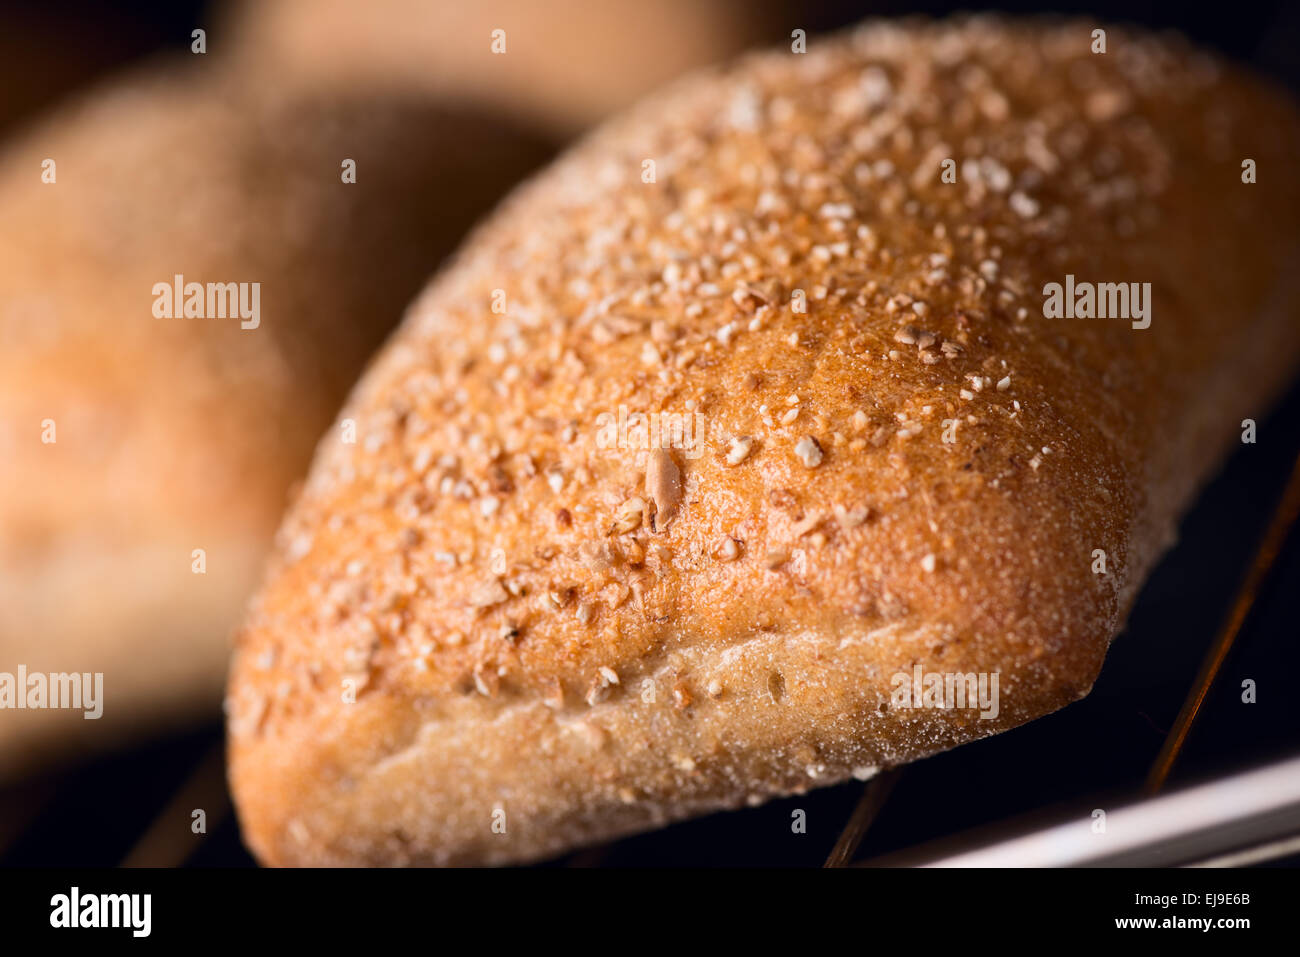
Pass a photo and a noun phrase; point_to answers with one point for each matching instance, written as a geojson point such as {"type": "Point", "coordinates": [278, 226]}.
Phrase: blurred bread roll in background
{"type": "Point", "coordinates": [565, 62]}
{"type": "Point", "coordinates": [130, 441]}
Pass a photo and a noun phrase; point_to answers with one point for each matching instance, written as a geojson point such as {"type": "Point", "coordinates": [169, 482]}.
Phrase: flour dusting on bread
{"type": "Point", "coordinates": [906, 462]}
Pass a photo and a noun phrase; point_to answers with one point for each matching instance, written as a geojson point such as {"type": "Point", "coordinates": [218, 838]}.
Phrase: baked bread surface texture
{"type": "Point", "coordinates": [494, 631]}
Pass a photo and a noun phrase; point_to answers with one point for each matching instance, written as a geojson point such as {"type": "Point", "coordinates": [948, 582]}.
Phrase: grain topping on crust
{"type": "Point", "coordinates": [804, 296]}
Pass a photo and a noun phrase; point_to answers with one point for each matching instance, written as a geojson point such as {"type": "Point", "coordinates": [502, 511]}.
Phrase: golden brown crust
{"type": "Point", "coordinates": [524, 634]}
{"type": "Point", "coordinates": [184, 433]}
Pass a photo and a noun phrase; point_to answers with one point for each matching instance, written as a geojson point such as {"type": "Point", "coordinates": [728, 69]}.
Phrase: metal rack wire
{"type": "Point", "coordinates": [1282, 835]}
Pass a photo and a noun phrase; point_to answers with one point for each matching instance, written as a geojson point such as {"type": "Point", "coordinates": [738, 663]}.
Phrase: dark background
{"type": "Point", "coordinates": [1091, 754]}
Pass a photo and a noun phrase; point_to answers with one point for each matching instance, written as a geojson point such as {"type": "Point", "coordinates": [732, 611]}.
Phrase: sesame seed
{"type": "Point", "coordinates": [663, 485]}
{"type": "Point", "coordinates": [489, 594]}
{"type": "Point", "coordinates": [681, 696]}
{"type": "Point", "coordinates": [776, 557]}
{"type": "Point", "coordinates": [486, 680]}
{"type": "Point", "coordinates": [852, 517]}
{"type": "Point", "coordinates": [809, 451]}
{"type": "Point", "coordinates": [629, 516]}
{"type": "Point", "coordinates": [738, 449]}
{"type": "Point", "coordinates": [1023, 205]}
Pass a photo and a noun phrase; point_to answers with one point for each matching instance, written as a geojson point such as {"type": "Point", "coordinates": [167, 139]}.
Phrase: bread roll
{"type": "Point", "coordinates": [556, 632]}
{"type": "Point", "coordinates": [565, 63]}
{"type": "Point", "coordinates": [130, 440]}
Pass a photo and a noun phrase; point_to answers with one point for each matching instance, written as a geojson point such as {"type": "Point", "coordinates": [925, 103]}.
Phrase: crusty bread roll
{"type": "Point", "coordinates": [555, 636]}
{"type": "Point", "coordinates": [566, 63]}
{"type": "Point", "coordinates": [176, 434]}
